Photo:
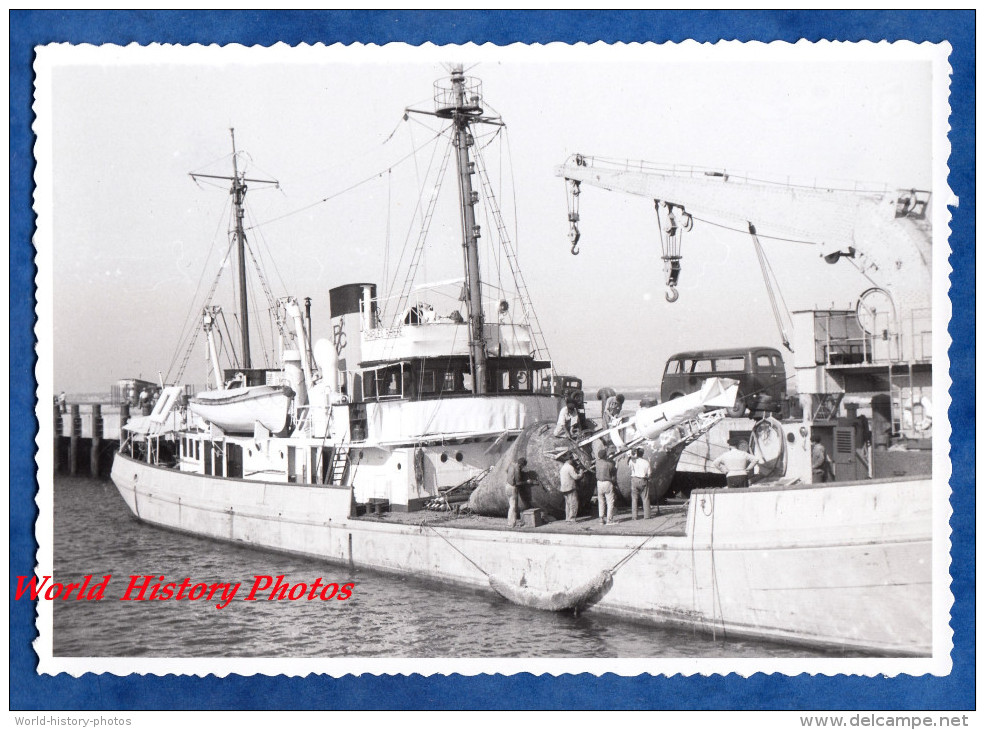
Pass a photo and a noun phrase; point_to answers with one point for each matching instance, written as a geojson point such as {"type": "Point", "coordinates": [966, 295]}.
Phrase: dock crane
{"type": "Point", "coordinates": [883, 232]}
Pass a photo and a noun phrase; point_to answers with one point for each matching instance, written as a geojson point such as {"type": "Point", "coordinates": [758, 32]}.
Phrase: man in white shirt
{"type": "Point", "coordinates": [640, 486]}
{"type": "Point", "coordinates": [567, 420]}
{"type": "Point", "coordinates": [570, 475]}
{"type": "Point", "coordinates": [735, 463]}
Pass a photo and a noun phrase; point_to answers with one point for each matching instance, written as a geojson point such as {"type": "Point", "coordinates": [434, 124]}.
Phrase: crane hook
{"type": "Point", "coordinates": [574, 235]}
{"type": "Point", "coordinates": [671, 295]}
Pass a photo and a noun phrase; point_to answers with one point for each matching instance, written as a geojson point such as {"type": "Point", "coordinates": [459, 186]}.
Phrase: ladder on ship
{"type": "Point", "coordinates": [340, 463]}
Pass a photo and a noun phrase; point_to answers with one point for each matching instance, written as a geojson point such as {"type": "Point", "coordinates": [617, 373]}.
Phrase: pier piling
{"type": "Point", "coordinates": [58, 458]}
{"type": "Point", "coordinates": [73, 440]}
{"type": "Point", "coordinates": [97, 432]}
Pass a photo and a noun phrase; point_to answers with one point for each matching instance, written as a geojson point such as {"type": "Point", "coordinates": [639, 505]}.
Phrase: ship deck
{"type": "Point", "coordinates": [670, 521]}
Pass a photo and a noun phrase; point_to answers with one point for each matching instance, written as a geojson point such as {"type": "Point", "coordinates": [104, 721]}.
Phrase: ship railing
{"type": "Point", "coordinates": [442, 302]}
{"type": "Point", "coordinates": [446, 94]}
{"type": "Point", "coordinates": [307, 416]}
{"type": "Point", "coordinates": [921, 334]}
{"type": "Point", "coordinates": [843, 342]}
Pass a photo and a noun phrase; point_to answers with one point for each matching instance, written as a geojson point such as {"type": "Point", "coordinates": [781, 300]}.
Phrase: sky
{"type": "Point", "coordinates": [136, 241]}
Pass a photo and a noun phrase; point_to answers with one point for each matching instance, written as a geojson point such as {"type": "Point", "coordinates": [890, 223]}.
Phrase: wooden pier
{"type": "Point", "coordinates": [86, 437]}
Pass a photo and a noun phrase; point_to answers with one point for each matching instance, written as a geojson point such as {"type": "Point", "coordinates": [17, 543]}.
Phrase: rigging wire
{"type": "Point", "coordinates": [518, 279]}
{"type": "Point", "coordinates": [191, 332]}
{"type": "Point", "coordinates": [255, 316]}
{"type": "Point", "coordinates": [779, 290]}
{"type": "Point", "coordinates": [186, 321]}
{"type": "Point", "coordinates": [232, 349]}
{"type": "Point", "coordinates": [341, 192]}
{"type": "Point", "coordinates": [425, 226]}
{"type": "Point", "coordinates": [509, 156]}
{"type": "Point", "coordinates": [222, 158]}
{"type": "Point", "coordinates": [262, 241]}
{"type": "Point", "coordinates": [389, 220]}
{"type": "Point", "coordinates": [761, 235]}
{"type": "Point", "coordinates": [862, 272]}
{"type": "Point", "coordinates": [761, 257]}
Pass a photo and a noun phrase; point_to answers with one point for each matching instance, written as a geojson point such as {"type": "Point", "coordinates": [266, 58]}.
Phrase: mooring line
{"type": "Point", "coordinates": [453, 547]}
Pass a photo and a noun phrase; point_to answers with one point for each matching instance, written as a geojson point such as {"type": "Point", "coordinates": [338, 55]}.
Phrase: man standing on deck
{"type": "Point", "coordinates": [640, 471]}
{"type": "Point", "coordinates": [570, 475]}
{"type": "Point", "coordinates": [514, 480]}
{"type": "Point", "coordinates": [735, 463]}
{"type": "Point", "coordinates": [605, 475]}
{"type": "Point", "coordinates": [820, 463]}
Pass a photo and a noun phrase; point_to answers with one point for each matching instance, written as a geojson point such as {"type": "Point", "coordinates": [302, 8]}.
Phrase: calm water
{"type": "Point", "coordinates": [386, 616]}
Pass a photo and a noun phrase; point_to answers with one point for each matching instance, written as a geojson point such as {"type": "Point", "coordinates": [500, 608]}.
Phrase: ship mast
{"type": "Point", "coordinates": [460, 103]}
{"type": "Point", "coordinates": [238, 193]}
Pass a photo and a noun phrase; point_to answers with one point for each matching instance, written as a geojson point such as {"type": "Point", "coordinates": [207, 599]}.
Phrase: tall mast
{"type": "Point", "coordinates": [238, 193]}
{"type": "Point", "coordinates": [463, 108]}
{"type": "Point", "coordinates": [459, 99]}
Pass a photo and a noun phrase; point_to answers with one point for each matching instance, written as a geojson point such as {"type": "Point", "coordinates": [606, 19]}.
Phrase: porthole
{"type": "Point", "coordinates": [459, 456]}
{"type": "Point", "coordinates": [791, 438]}
{"type": "Point", "coordinates": [399, 466]}
{"type": "Point", "coordinates": [444, 457]}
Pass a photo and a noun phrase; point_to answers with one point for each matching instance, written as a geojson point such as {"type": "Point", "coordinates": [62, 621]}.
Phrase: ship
{"type": "Point", "coordinates": [428, 402]}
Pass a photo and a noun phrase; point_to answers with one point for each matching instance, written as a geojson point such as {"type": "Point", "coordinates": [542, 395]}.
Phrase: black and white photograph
{"type": "Point", "coordinates": [477, 359]}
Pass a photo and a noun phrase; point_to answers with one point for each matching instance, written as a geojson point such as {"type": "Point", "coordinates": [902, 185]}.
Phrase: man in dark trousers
{"type": "Point", "coordinates": [570, 476]}
{"type": "Point", "coordinates": [736, 463]}
{"type": "Point", "coordinates": [605, 475]}
{"type": "Point", "coordinates": [515, 480]}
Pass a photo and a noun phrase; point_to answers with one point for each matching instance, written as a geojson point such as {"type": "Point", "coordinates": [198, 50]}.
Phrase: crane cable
{"type": "Point", "coordinates": [761, 256]}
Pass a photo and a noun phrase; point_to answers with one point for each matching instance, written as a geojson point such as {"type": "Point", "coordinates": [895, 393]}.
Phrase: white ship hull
{"type": "Point", "coordinates": [841, 565]}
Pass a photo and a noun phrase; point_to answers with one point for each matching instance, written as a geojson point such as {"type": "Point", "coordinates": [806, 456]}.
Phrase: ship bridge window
{"type": "Point", "coordinates": [513, 379]}
{"type": "Point", "coordinates": [392, 381]}
{"type": "Point", "coordinates": [427, 382]}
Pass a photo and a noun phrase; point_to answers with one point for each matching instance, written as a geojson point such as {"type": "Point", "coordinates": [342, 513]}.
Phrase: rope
{"type": "Point", "coordinates": [475, 564]}
{"type": "Point", "coordinates": [761, 256]}
{"type": "Point", "coordinates": [632, 553]}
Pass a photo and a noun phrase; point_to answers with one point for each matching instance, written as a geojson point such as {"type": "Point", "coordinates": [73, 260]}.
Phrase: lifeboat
{"type": "Point", "coordinates": [238, 410]}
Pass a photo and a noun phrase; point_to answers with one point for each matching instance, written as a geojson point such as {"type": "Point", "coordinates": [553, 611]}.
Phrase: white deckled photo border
{"type": "Point", "coordinates": [50, 59]}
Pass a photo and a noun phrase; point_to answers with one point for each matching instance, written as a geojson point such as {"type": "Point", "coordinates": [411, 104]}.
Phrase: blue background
{"type": "Point", "coordinates": [28, 691]}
